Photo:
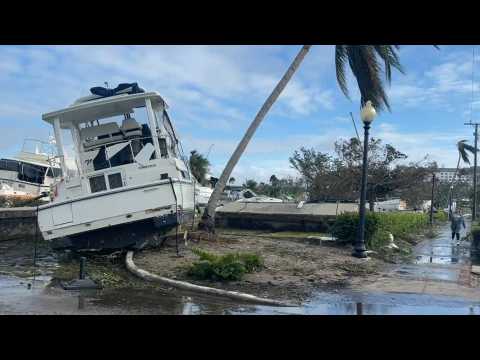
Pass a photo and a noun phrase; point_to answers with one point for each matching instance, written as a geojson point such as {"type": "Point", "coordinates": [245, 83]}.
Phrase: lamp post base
{"type": "Point", "coordinates": [361, 254]}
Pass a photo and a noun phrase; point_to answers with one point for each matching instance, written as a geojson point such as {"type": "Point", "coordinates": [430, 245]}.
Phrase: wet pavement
{"type": "Point", "coordinates": [440, 259]}
{"type": "Point", "coordinates": [439, 282]}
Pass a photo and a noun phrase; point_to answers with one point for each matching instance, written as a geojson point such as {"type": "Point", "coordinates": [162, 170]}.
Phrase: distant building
{"type": "Point", "coordinates": [464, 175]}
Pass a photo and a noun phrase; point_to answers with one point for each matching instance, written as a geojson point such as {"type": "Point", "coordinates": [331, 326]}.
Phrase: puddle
{"type": "Point", "coordinates": [438, 259]}
{"type": "Point", "coordinates": [426, 259]}
{"type": "Point", "coordinates": [17, 298]}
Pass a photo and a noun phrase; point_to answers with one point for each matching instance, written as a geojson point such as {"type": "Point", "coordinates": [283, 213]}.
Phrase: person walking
{"type": "Point", "coordinates": [457, 221]}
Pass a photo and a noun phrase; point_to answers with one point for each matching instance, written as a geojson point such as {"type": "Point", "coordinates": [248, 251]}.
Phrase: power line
{"type": "Point", "coordinates": [473, 83]}
{"type": "Point", "coordinates": [355, 126]}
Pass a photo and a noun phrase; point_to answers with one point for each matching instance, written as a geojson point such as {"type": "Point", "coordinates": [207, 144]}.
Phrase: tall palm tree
{"type": "Point", "coordinates": [463, 149]}
{"type": "Point", "coordinates": [366, 63]}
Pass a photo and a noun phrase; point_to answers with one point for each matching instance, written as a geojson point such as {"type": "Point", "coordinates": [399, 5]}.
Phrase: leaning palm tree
{"type": "Point", "coordinates": [366, 63]}
{"type": "Point", "coordinates": [463, 149]}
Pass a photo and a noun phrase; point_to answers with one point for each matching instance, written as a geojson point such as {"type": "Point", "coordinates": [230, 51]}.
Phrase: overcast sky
{"type": "Point", "coordinates": [215, 91]}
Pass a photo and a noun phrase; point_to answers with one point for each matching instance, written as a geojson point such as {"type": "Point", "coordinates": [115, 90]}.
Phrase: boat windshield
{"type": "Point", "coordinates": [124, 139]}
{"type": "Point", "coordinates": [26, 172]}
{"type": "Point", "coordinates": [38, 147]}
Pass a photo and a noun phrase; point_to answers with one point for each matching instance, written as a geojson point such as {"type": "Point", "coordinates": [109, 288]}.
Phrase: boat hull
{"type": "Point", "coordinates": [135, 235]}
{"type": "Point", "coordinates": [132, 207]}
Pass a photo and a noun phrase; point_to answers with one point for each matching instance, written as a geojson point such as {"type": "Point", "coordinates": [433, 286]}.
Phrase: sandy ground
{"type": "Point", "coordinates": [294, 268]}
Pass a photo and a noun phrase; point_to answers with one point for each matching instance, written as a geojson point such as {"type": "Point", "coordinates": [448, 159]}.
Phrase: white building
{"type": "Point", "coordinates": [446, 175]}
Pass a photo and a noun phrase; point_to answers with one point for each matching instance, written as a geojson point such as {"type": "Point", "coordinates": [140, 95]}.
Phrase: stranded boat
{"type": "Point", "coordinates": [29, 174]}
{"type": "Point", "coordinates": [131, 178]}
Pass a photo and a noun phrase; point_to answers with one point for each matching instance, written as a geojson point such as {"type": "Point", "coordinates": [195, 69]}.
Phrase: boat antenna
{"type": "Point", "coordinates": [209, 149]}
{"type": "Point", "coordinates": [473, 83]}
{"type": "Point", "coordinates": [106, 84]}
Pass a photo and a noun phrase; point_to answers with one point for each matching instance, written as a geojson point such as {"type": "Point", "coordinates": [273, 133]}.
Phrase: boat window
{"type": "Point", "coordinates": [32, 173]}
{"type": "Point", "coordinates": [115, 180]}
{"type": "Point", "coordinates": [163, 147]}
{"type": "Point", "coordinates": [100, 161]}
{"type": "Point", "coordinates": [122, 157]}
{"type": "Point", "coordinates": [9, 165]}
{"type": "Point", "coordinates": [97, 183]}
{"type": "Point", "coordinates": [248, 194]}
{"type": "Point", "coordinates": [164, 176]}
{"type": "Point", "coordinates": [54, 172]}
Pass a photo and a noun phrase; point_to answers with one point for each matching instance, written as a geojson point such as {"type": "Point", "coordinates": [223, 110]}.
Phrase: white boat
{"type": "Point", "coordinates": [249, 196]}
{"type": "Point", "coordinates": [202, 194]}
{"type": "Point", "coordinates": [131, 181]}
{"type": "Point", "coordinates": [30, 173]}
{"type": "Point", "coordinates": [389, 205]}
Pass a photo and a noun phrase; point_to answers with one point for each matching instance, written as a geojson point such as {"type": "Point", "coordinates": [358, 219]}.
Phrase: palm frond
{"type": "Point", "coordinates": [390, 58]}
{"type": "Point", "coordinates": [366, 69]}
{"type": "Point", "coordinates": [470, 148]}
{"type": "Point", "coordinates": [366, 63]}
{"type": "Point", "coordinates": [340, 61]}
{"type": "Point", "coordinates": [463, 150]}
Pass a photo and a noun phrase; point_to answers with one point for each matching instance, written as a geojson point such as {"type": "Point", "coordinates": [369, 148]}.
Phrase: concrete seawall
{"type": "Point", "coordinates": [17, 223]}
{"type": "Point", "coordinates": [281, 216]}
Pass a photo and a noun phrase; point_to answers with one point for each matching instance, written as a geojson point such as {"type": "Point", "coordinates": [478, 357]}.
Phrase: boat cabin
{"type": "Point", "coordinates": [113, 132]}
{"type": "Point", "coordinates": [32, 165]}
{"type": "Point", "coordinates": [106, 132]}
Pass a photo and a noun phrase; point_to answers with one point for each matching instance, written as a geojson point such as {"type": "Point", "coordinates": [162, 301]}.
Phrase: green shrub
{"type": "Point", "coordinates": [475, 231]}
{"type": "Point", "coordinates": [228, 267]}
{"type": "Point", "coordinates": [378, 226]}
{"type": "Point", "coordinates": [345, 228]}
{"type": "Point", "coordinates": [440, 216]}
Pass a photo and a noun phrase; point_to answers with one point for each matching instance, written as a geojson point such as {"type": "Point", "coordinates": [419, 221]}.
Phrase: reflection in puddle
{"type": "Point", "coordinates": [426, 259]}
{"type": "Point", "coordinates": [433, 256]}
{"type": "Point", "coordinates": [41, 300]}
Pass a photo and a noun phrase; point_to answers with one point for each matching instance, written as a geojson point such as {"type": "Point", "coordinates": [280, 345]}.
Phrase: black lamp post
{"type": "Point", "coordinates": [368, 113]}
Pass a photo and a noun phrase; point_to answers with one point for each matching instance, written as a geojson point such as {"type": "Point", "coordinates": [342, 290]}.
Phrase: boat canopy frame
{"type": "Point", "coordinates": [102, 108]}
{"type": "Point", "coordinates": [71, 117]}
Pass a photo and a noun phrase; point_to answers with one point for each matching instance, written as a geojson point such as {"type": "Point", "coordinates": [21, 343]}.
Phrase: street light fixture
{"type": "Point", "coordinates": [367, 114]}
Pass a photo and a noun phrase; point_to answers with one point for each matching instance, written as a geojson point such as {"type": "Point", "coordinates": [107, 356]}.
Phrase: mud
{"type": "Point", "coordinates": [323, 279]}
{"type": "Point", "coordinates": [293, 270]}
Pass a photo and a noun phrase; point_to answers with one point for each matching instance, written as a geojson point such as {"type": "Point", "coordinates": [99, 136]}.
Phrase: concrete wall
{"type": "Point", "coordinates": [281, 216]}
{"type": "Point", "coordinates": [17, 223]}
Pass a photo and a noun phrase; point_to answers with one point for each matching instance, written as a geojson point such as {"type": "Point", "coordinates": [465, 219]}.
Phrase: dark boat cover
{"type": "Point", "coordinates": [125, 88]}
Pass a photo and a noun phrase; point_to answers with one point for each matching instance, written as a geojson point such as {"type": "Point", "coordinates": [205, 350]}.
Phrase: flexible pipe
{"type": "Point", "coordinates": [143, 274]}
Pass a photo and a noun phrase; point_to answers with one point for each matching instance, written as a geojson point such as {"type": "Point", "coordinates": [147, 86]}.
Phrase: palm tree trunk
{"type": "Point", "coordinates": [208, 219]}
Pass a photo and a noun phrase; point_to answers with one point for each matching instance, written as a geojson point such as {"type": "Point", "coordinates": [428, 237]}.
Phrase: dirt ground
{"type": "Point", "coordinates": [294, 265]}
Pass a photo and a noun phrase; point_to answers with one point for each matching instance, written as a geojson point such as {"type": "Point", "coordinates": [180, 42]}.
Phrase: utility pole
{"type": "Point", "coordinates": [474, 207]}
{"type": "Point", "coordinates": [431, 204]}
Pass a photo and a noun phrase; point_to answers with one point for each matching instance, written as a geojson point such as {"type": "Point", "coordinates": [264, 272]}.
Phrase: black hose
{"type": "Point", "coordinates": [35, 245]}
{"type": "Point", "coordinates": [176, 214]}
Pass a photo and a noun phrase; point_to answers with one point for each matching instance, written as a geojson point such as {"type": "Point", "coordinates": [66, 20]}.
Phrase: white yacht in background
{"type": "Point", "coordinates": [30, 173]}
{"type": "Point", "coordinates": [202, 195]}
{"type": "Point", "coordinates": [132, 179]}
